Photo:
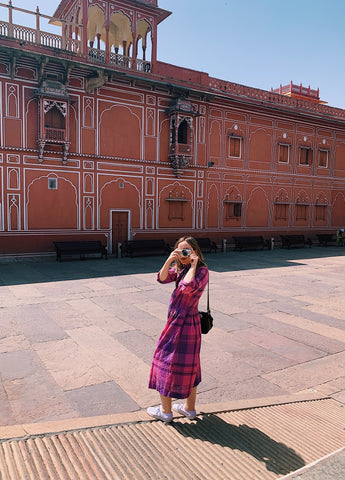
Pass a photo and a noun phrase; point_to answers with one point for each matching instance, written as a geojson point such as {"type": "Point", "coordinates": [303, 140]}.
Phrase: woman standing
{"type": "Point", "coordinates": [175, 370]}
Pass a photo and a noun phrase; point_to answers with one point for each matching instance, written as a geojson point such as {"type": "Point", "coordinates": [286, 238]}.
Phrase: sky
{"type": "Point", "coordinates": [259, 43]}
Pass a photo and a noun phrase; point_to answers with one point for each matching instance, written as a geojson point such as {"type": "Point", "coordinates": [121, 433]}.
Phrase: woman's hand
{"type": "Point", "coordinates": [164, 271]}
{"type": "Point", "coordinates": [194, 259]}
{"type": "Point", "coordinates": [174, 255]}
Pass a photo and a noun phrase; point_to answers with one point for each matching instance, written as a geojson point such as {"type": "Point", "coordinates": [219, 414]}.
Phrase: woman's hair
{"type": "Point", "coordinates": [195, 246]}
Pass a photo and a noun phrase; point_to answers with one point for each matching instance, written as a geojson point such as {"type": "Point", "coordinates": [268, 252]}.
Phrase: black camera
{"type": "Point", "coordinates": [185, 252]}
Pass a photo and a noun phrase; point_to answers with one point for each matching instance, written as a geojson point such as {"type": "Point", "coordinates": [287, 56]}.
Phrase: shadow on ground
{"type": "Point", "coordinates": [277, 457]}
{"type": "Point", "coordinates": [33, 270]}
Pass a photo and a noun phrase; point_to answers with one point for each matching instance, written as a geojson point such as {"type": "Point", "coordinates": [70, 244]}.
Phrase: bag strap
{"type": "Point", "coordinates": [208, 295]}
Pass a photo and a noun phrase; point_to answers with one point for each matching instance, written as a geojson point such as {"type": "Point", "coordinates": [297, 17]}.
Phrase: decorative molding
{"type": "Point", "coordinates": [12, 159]}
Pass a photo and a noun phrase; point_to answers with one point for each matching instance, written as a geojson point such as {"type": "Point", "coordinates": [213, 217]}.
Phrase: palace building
{"type": "Point", "coordinates": [101, 140]}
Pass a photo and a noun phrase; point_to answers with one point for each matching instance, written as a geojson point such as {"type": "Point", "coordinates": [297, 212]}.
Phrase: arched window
{"type": "Point", "coordinates": [54, 119]}
{"type": "Point", "coordinates": [183, 132]}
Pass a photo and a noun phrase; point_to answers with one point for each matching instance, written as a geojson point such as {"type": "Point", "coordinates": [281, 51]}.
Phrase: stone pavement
{"type": "Point", "coordinates": [330, 468]}
{"type": "Point", "coordinates": [77, 337]}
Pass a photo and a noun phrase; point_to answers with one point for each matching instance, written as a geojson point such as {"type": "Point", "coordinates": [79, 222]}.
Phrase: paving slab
{"type": "Point", "coordinates": [101, 399]}
{"type": "Point", "coordinates": [331, 467]}
{"type": "Point", "coordinates": [73, 330]}
{"type": "Point", "coordinates": [309, 374]}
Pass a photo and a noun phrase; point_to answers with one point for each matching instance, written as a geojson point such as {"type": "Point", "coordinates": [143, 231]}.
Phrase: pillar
{"type": "Point", "coordinates": [84, 12]}
{"type": "Point", "coordinates": [38, 34]}
{"type": "Point", "coordinates": [154, 46]}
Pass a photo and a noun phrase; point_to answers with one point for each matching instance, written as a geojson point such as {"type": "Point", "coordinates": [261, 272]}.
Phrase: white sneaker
{"type": "Point", "coordinates": [179, 408]}
{"type": "Point", "coordinates": [157, 413]}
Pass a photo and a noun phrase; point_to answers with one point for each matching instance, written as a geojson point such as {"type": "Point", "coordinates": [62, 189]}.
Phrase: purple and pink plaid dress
{"type": "Point", "coordinates": [175, 366]}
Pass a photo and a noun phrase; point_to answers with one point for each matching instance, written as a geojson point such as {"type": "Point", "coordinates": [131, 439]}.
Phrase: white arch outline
{"type": "Point", "coordinates": [115, 180]}
{"type": "Point", "coordinates": [50, 174]}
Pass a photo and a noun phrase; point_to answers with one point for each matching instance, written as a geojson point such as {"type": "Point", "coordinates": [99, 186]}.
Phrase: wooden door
{"type": "Point", "coordinates": [119, 229]}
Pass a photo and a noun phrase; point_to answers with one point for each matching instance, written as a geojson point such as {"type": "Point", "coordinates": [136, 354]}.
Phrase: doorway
{"type": "Point", "coordinates": [119, 228]}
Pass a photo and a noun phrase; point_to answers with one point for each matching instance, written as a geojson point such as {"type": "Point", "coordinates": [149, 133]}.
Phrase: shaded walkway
{"type": "Point", "coordinates": [37, 270]}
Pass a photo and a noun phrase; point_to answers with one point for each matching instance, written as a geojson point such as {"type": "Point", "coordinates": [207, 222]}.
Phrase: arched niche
{"type": "Point", "coordinates": [257, 209]}
{"type": "Point", "coordinates": [260, 150]}
{"type": "Point", "coordinates": [53, 118]}
{"type": "Point", "coordinates": [120, 194]}
{"type": "Point", "coordinates": [212, 207]}
{"type": "Point", "coordinates": [338, 209]}
{"type": "Point", "coordinates": [120, 33]}
{"type": "Point", "coordinates": [143, 41]}
{"type": "Point", "coordinates": [120, 132]}
{"type": "Point", "coordinates": [60, 209]}
{"type": "Point", "coordinates": [281, 212]}
{"type": "Point", "coordinates": [96, 26]}
{"type": "Point", "coordinates": [182, 134]}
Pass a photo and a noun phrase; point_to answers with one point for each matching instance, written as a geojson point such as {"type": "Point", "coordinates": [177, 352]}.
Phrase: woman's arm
{"type": "Point", "coordinates": [164, 271]}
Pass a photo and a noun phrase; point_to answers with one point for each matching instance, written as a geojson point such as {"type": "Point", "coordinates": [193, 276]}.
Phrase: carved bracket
{"type": "Point", "coordinates": [65, 150]}
{"type": "Point", "coordinates": [96, 81]}
{"type": "Point", "coordinates": [179, 162]}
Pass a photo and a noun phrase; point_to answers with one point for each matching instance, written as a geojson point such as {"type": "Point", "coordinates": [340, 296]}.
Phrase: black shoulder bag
{"type": "Point", "coordinates": [206, 318]}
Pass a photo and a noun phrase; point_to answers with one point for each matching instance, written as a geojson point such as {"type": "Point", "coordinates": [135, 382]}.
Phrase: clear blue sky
{"type": "Point", "coordinates": [260, 43]}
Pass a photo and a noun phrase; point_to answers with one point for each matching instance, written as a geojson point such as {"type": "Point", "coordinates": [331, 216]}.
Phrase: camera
{"type": "Point", "coordinates": [185, 252]}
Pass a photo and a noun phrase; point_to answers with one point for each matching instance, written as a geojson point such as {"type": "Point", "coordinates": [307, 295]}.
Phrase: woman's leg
{"type": "Point", "coordinates": [190, 401]}
{"type": "Point", "coordinates": [166, 404]}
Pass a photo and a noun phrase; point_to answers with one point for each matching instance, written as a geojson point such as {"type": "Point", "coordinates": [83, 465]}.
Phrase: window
{"type": "Point", "coordinates": [54, 119]}
{"type": "Point", "coordinates": [283, 154]}
{"type": "Point", "coordinates": [176, 206]}
{"type": "Point", "coordinates": [233, 210]}
{"type": "Point", "coordinates": [323, 158]}
{"type": "Point", "coordinates": [52, 183]}
{"type": "Point", "coordinates": [182, 133]}
{"type": "Point", "coordinates": [235, 145]}
{"type": "Point", "coordinates": [306, 156]}
{"type": "Point", "coordinates": [301, 212]}
{"type": "Point", "coordinates": [281, 211]}
{"type": "Point", "coordinates": [320, 212]}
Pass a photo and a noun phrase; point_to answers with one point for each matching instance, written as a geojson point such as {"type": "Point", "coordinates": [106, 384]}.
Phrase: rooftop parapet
{"type": "Point", "coordinates": [235, 89]}
{"type": "Point", "coordinates": [299, 91]}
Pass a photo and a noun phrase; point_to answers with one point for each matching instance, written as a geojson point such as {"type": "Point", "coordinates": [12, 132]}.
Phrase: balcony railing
{"type": "Point", "coordinates": [96, 55]}
{"type": "Point", "coordinates": [36, 36]}
{"type": "Point", "coordinates": [143, 66]}
{"type": "Point", "coordinates": [4, 30]}
{"type": "Point", "coordinates": [73, 45]}
{"type": "Point", "coordinates": [24, 33]}
{"type": "Point", "coordinates": [56, 135]}
{"type": "Point", "coordinates": [30, 35]}
{"type": "Point", "coordinates": [51, 40]}
{"type": "Point", "coordinates": [120, 60]}
{"type": "Point", "coordinates": [181, 149]}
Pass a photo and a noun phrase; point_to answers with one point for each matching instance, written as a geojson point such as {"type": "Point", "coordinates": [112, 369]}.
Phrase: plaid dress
{"type": "Point", "coordinates": [175, 366]}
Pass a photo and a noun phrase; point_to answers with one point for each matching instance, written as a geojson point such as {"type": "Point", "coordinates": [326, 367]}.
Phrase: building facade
{"type": "Point", "coordinates": [101, 140]}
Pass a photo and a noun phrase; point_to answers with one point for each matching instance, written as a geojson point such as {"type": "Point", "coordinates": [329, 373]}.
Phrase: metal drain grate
{"type": "Point", "coordinates": [251, 444]}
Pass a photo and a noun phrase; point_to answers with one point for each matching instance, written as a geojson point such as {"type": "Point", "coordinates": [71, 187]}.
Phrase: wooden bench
{"type": "Point", "coordinates": [206, 245]}
{"type": "Point", "coordinates": [249, 243]}
{"type": "Point", "coordinates": [81, 248]}
{"type": "Point", "coordinates": [294, 241]}
{"type": "Point", "coordinates": [326, 238]}
{"type": "Point", "coordinates": [144, 247]}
